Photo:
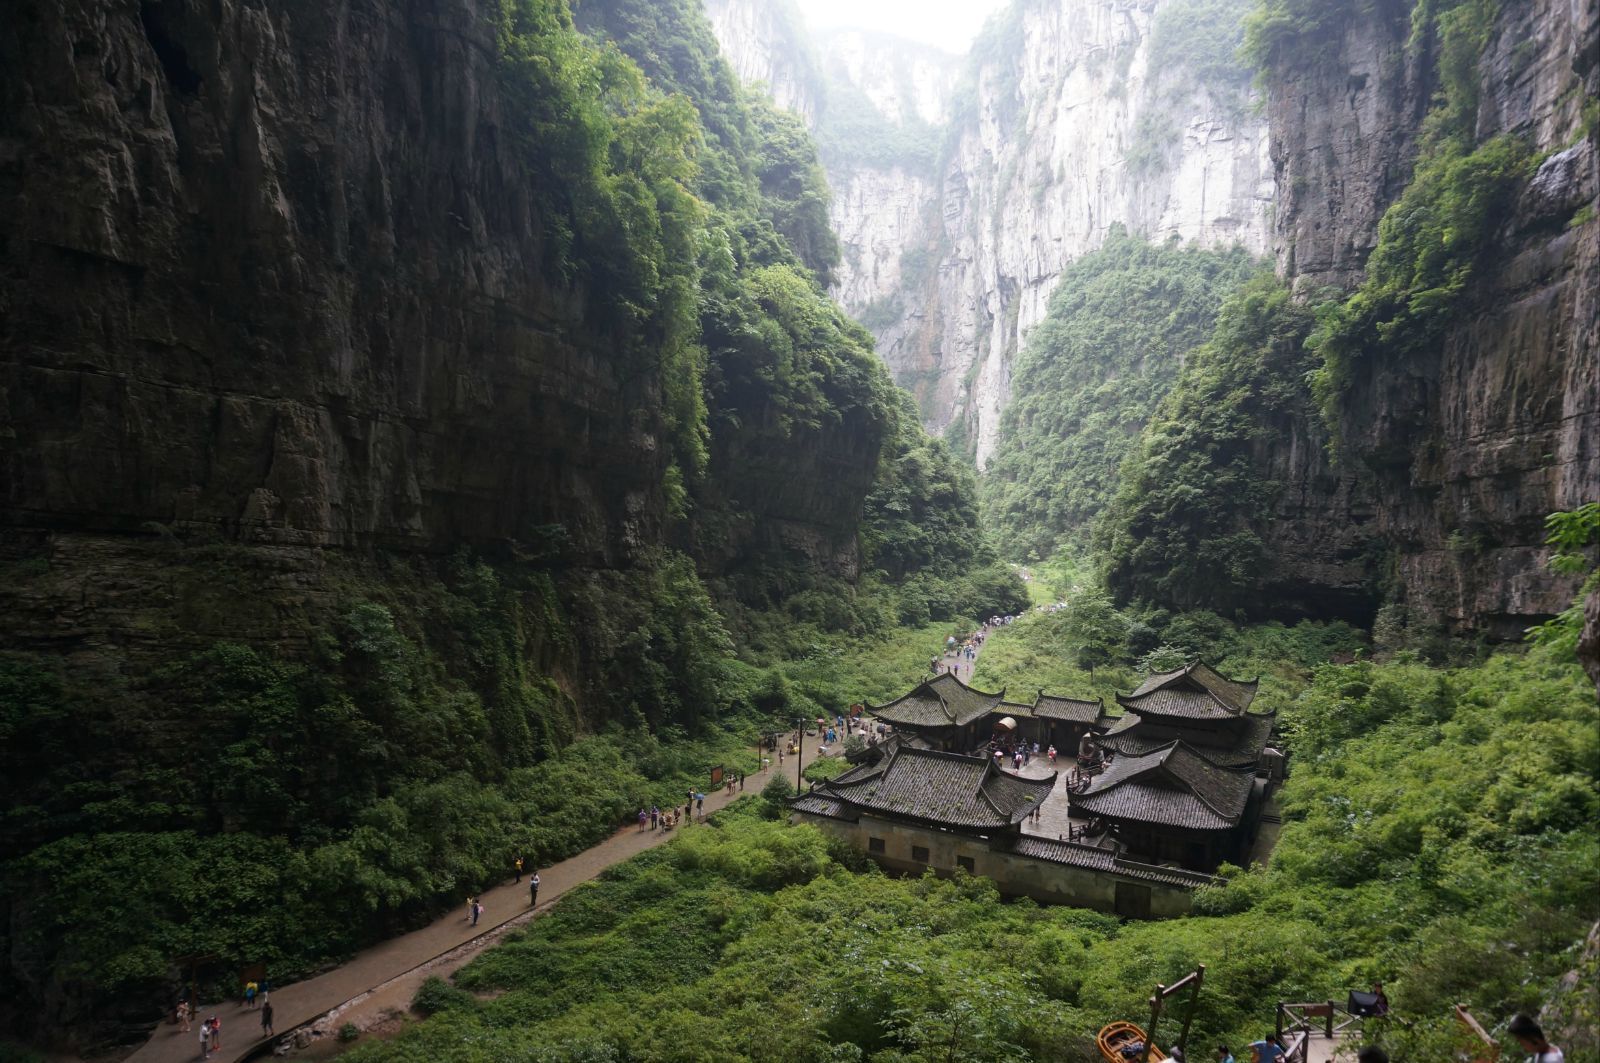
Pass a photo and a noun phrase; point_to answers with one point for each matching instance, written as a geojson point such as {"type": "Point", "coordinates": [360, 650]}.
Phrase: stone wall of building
{"type": "Point", "coordinates": [1015, 875]}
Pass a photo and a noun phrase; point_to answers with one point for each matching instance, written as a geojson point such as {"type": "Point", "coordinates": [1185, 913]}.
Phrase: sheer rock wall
{"type": "Point", "coordinates": [274, 275]}
{"type": "Point", "coordinates": [1467, 447]}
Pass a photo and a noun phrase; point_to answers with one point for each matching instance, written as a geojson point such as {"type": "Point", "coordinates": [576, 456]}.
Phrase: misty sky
{"type": "Point", "coordinates": [950, 24]}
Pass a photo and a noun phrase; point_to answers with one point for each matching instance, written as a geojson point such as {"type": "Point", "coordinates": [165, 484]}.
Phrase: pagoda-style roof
{"type": "Point", "coordinates": [944, 789]}
{"type": "Point", "coordinates": [1174, 786]}
{"type": "Point", "coordinates": [1072, 710]}
{"type": "Point", "coordinates": [1194, 692]}
{"type": "Point", "coordinates": [1243, 751]}
{"type": "Point", "coordinates": [943, 701]}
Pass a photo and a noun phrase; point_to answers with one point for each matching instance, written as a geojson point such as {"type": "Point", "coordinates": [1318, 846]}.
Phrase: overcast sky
{"type": "Point", "coordinates": [950, 24]}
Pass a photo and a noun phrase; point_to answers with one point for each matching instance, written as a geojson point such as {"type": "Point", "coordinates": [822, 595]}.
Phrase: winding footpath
{"type": "Point", "coordinates": [410, 957]}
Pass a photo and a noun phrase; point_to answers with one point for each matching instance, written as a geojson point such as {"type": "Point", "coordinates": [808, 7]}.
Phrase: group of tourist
{"type": "Point", "coordinates": [654, 818]}
{"type": "Point", "coordinates": [1019, 753]}
{"type": "Point", "coordinates": [255, 997]}
{"type": "Point", "coordinates": [959, 652]}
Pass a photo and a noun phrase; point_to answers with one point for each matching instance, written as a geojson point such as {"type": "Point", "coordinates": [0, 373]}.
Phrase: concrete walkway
{"type": "Point", "coordinates": [302, 1002]}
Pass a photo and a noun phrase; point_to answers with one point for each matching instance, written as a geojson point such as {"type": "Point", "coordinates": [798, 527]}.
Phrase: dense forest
{"type": "Point", "coordinates": [452, 443]}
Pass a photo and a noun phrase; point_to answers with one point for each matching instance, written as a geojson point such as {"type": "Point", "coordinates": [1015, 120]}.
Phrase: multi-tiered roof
{"type": "Point", "coordinates": [930, 787]}
{"type": "Point", "coordinates": [1207, 711]}
{"type": "Point", "coordinates": [1174, 786]}
{"type": "Point", "coordinates": [943, 701]}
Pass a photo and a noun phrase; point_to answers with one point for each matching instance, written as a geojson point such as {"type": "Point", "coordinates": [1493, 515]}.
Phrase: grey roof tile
{"type": "Point", "coordinates": [943, 788]}
{"type": "Point", "coordinates": [1173, 786]}
{"type": "Point", "coordinates": [942, 701]}
{"type": "Point", "coordinates": [1195, 692]}
{"type": "Point", "coordinates": [1076, 854]}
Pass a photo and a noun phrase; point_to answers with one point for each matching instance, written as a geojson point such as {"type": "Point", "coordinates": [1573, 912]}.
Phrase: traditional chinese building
{"type": "Point", "coordinates": [917, 809]}
{"type": "Point", "coordinates": [941, 791]}
{"type": "Point", "coordinates": [1184, 783]}
{"type": "Point", "coordinates": [944, 713]}
{"type": "Point", "coordinates": [1199, 707]}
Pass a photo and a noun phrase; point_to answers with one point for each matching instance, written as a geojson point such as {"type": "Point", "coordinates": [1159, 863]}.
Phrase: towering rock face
{"type": "Point", "coordinates": [264, 282]}
{"type": "Point", "coordinates": [1072, 116]}
{"type": "Point", "coordinates": [1466, 447]}
{"type": "Point", "coordinates": [764, 42]}
{"type": "Point", "coordinates": [278, 275]}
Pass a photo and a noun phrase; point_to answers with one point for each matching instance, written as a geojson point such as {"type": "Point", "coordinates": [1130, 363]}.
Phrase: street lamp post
{"type": "Point", "coordinates": [799, 751]}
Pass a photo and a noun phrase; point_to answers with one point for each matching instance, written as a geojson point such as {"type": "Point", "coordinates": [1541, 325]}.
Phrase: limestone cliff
{"type": "Point", "coordinates": [1073, 116]}
{"type": "Point", "coordinates": [276, 273]}
{"type": "Point", "coordinates": [764, 41]}
{"type": "Point", "coordinates": [1467, 446]}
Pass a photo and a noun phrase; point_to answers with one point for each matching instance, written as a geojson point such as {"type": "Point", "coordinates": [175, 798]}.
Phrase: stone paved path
{"type": "Point", "coordinates": [302, 1002]}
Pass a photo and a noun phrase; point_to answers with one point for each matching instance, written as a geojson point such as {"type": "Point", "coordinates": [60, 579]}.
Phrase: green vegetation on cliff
{"type": "Point", "coordinates": [1121, 323]}
{"type": "Point", "coordinates": [1185, 527]}
{"type": "Point", "coordinates": [384, 732]}
{"type": "Point", "coordinates": [1436, 838]}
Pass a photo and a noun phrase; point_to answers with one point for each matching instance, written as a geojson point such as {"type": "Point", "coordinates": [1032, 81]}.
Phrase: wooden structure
{"type": "Point", "coordinates": [1314, 1032]}
{"type": "Point", "coordinates": [1486, 1051]}
{"type": "Point", "coordinates": [1191, 982]}
{"type": "Point", "coordinates": [1116, 1036]}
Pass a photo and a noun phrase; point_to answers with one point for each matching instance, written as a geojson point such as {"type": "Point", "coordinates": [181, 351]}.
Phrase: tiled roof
{"type": "Point", "coordinates": [1173, 786]}
{"type": "Point", "coordinates": [1051, 707]}
{"type": "Point", "coordinates": [1093, 858]}
{"type": "Point", "coordinates": [820, 805]}
{"type": "Point", "coordinates": [943, 701]}
{"type": "Point", "coordinates": [1195, 692]}
{"type": "Point", "coordinates": [1249, 738]}
{"type": "Point", "coordinates": [943, 788]}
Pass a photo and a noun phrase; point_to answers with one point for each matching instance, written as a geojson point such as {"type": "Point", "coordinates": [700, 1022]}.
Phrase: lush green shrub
{"type": "Point", "coordinates": [436, 995]}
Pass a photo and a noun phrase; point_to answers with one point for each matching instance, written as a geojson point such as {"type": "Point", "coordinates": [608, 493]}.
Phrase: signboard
{"type": "Point", "coordinates": [716, 777]}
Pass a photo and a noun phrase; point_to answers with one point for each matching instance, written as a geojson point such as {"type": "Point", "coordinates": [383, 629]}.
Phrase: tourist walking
{"type": "Point", "coordinates": [216, 1034]}
{"type": "Point", "coordinates": [533, 890]}
{"type": "Point", "coordinates": [266, 1020]}
{"type": "Point", "coordinates": [183, 1016]}
{"type": "Point", "coordinates": [205, 1039]}
{"type": "Point", "coordinates": [517, 863]}
{"type": "Point", "coordinates": [249, 995]}
{"type": "Point", "coordinates": [477, 910]}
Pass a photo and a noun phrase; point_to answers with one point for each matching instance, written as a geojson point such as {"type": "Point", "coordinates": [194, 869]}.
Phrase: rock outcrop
{"type": "Point", "coordinates": [765, 43]}
{"type": "Point", "coordinates": [1466, 447]}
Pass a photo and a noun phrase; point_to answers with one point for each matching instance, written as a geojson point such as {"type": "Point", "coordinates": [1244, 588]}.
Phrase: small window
{"type": "Point", "coordinates": [874, 845]}
{"type": "Point", "coordinates": [965, 863]}
{"type": "Point", "coordinates": [919, 853]}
